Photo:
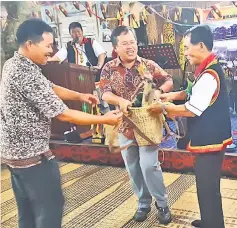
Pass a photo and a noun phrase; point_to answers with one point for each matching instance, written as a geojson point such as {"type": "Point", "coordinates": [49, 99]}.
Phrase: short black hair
{"type": "Point", "coordinates": [74, 25]}
{"type": "Point", "coordinates": [118, 31]}
{"type": "Point", "coordinates": [201, 33]}
{"type": "Point", "coordinates": [33, 30]}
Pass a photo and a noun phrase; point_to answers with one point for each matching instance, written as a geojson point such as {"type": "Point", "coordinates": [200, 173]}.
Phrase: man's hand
{"type": "Point", "coordinates": [166, 97]}
{"type": "Point", "coordinates": [113, 117]}
{"type": "Point", "coordinates": [159, 108]}
{"type": "Point", "coordinates": [155, 109]}
{"type": "Point", "coordinates": [97, 67]}
{"type": "Point", "coordinates": [123, 106]}
{"type": "Point", "coordinates": [89, 98]}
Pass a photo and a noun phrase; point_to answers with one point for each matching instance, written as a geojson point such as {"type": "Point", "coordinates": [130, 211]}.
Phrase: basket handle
{"type": "Point", "coordinates": [134, 126]}
{"type": "Point", "coordinates": [169, 132]}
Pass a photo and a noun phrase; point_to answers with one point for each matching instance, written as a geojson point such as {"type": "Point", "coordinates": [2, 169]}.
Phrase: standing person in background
{"type": "Point", "coordinates": [28, 102]}
{"type": "Point", "coordinates": [85, 52]}
{"type": "Point", "coordinates": [81, 50]}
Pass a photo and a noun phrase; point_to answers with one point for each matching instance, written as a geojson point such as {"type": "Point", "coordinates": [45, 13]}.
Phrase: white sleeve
{"type": "Point", "coordinates": [62, 54]}
{"type": "Point", "coordinates": [202, 93]}
{"type": "Point", "coordinates": [98, 49]}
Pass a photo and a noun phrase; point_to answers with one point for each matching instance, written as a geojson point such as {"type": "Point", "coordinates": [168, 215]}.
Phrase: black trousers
{"type": "Point", "coordinates": [38, 195]}
{"type": "Point", "coordinates": [208, 174]}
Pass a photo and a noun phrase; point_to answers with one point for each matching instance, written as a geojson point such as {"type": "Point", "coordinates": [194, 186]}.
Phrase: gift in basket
{"type": "Point", "coordinates": [148, 129]}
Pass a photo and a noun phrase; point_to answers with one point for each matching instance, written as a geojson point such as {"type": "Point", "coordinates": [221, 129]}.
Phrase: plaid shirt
{"type": "Point", "coordinates": [123, 82]}
{"type": "Point", "coordinates": [27, 104]}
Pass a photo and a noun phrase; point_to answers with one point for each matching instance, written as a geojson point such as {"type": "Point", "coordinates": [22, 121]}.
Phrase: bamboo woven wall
{"type": "Point", "coordinates": [155, 28]}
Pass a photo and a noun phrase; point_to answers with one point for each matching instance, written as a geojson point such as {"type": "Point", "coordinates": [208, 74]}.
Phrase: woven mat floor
{"type": "Point", "coordinates": [101, 197]}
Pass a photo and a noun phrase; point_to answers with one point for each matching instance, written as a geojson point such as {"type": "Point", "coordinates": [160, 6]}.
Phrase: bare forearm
{"type": "Point", "coordinates": [101, 60]}
{"type": "Point", "coordinates": [178, 110]}
{"type": "Point", "coordinates": [178, 96]}
{"type": "Point", "coordinates": [66, 94]}
{"type": "Point", "coordinates": [111, 98]}
{"type": "Point", "coordinates": [80, 118]}
{"type": "Point", "coordinates": [167, 86]}
{"type": "Point", "coordinates": [54, 58]}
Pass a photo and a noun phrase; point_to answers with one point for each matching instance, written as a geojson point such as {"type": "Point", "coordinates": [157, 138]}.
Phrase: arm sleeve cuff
{"type": "Point", "coordinates": [193, 109]}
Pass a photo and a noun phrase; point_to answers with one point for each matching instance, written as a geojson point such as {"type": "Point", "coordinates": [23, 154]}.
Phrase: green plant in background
{"type": "Point", "coordinates": [8, 37]}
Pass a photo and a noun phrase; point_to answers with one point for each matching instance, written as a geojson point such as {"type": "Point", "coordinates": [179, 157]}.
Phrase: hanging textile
{"type": "Point", "coordinates": [181, 54]}
{"type": "Point", "coordinates": [141, 34]}
{"type": "Point", "coordinates": [168, 33]}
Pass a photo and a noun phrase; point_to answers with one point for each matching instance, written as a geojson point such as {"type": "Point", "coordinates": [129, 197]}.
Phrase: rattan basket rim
{"type": "Point", "coordinates": [138, 108]}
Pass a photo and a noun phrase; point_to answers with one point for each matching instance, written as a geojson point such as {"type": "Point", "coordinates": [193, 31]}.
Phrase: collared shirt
{"type": "Point", "coordinates": [124, 82]}
{"type": "Point", "coordinates": [98, 49]}
{"type": "Point", "coordinates": [27, 104]}
{"type": "Point", "coordinates": [202, 93]}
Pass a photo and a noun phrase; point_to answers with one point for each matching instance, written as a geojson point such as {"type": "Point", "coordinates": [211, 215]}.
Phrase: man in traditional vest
{"type": "Point", "coordinates": [81, 50]}
{"type": "Point", "coordinates": [209, 126]}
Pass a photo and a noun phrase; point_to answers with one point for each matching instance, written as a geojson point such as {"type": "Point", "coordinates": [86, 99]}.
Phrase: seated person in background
{"type": "Point", "coordinates": [85, 52]}
{"type": "Point", "coordinates": [81, 50]}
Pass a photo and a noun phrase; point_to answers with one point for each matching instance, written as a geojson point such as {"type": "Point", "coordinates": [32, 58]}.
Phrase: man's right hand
{"type": "Point", "coordinates": [113, 117]}
{"type": "Point", "coordinates": [123, 106]}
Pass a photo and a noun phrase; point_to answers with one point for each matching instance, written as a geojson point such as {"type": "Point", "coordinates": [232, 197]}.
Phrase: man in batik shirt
{"type": "Point", "coordinates": [119, 82]}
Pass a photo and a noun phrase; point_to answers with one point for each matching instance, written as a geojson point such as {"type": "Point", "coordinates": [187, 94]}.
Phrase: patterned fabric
{"type": "Point", "coordinates": [168, 33]}
{"type": "Point", "coordinates": [181, 54]}
{"type": "Point", "coordinates": [27, 104]}
{"type": "Point", "coordinates": [29, 162]}
{"type": "Point", "coordinates": [123, 82]}
{"type": "Point", "coordinates": [210, 60]}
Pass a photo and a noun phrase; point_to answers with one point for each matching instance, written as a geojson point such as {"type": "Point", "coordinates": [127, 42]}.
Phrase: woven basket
{"type": "Point", "coordinates": [150, 126]}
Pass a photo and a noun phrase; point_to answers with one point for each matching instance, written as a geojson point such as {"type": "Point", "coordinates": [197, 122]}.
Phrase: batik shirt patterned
{"type": "Point", "coordinates": [124, 82]}
{"type": "Point", "coordinates": [27, 104]}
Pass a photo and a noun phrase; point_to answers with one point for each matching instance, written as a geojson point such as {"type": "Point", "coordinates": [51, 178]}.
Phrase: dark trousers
{"type": "Point", "coordinates": [208, 174]}
{"type": "Point", "coordinates": [38, 195]}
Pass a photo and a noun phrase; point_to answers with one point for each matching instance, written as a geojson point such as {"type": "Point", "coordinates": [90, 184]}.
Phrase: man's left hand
{"type": "Point", "coordinates": [155, 109]}
{"type": "Point", "coordinates": [89, 98]}
{"type": "Point", "coordinates": [97, 67]}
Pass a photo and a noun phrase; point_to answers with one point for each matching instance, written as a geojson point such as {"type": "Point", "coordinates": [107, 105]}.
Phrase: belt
{"type": "Point", "coordinates": [28, 162]}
